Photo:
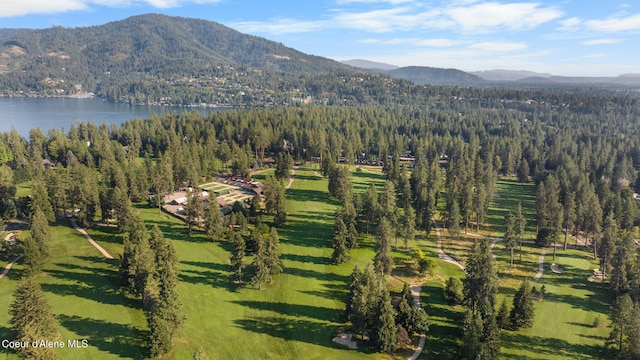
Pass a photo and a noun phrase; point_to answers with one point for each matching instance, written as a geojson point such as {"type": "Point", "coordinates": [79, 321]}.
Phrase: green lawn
{"type": "Point", "coordinates": [299, 314]}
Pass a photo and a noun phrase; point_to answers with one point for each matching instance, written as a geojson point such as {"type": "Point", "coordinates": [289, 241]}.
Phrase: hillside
{"type": "Point", "coordinates": [155, 48]}
{"type": "Point", "coordinates": [435, 76]}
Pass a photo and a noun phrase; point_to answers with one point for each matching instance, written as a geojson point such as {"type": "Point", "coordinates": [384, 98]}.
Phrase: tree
{"type": "Point", "coordinates": [569, 215]}
{"type": "Point", "coordinates": [237, 255]}
{"type": "Point", "coordinates": [339, 242]}
{"type": "Point", "coordinates": [260, 262]}
{"type": "Point", "coordinates": [36, 245]}
{"type": "Point", "coordinates": [480, 283]}
{"type": "Point", "coordinates": [510, 240]}
{"type": "Point", "coordinates": [502, 318]}
{"type": "Point", "coordinates": [621, 319]}
{"type": "Point", "coordinates": [521, 222]}
{"type": "Point", "coordinates": [453, 291]}
{"type": "Point", "coordinates": [382, 261]}
{"type": "Point", "coordinates": [212, 218]}
{"type": "Point", "coordinates": [274, 193]}
{"type": "Point", "coordinates": [383, 336]}
{"type": "Point", "coordinates": [40, 200]}
{"type": "Point", "coordinates": [340, 182]}
{"type": "Point", "coordinates": [370, 206]}
{"type": "Point", "coordinates": [409, 225]}
{"type": "Point", "coordinates": [193, 209]}
{"type": "Point", "coordinates": [453, 220]}
{"type": "Point", "coordinates": [284, 165]}
{"type": "Point", "coordinates": [521, 315]}
{"type": "Point", "coordinates": [273, 261]}
{"type": "Point", "coordinates": [32, 319]}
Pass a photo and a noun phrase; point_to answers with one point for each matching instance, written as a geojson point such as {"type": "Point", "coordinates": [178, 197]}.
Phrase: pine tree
{"type": "Point", "coordinates": [40, 200]}
{"type": "Point", "coordinates": [521, 315]}
{"type": "Point", "coordinates": [610, 236]}
{"type": "Point", "coordinates": [382, 261]}
{"type": "Point", "coordinates": [510, 240]}
{"type": "Point", "coordinates": [237, 255]}
{"type": "Point", "coordinates": [284, 164]}
{"type": "Point", "coordinates": [193, 210]}
{"type": "Point", "coordinates": [521, 222]}
{"type": "Point", "coordinates": [273, 261]}
{"type": "Point", "coordinates": [36, 245]}
{"type": "Point", "coordinates": [32, 319]}
{"type": "Point", "coordinates": [409, 225]}
{"type": "Point", "coordinates": [621, 319]}
{"type": "Point", "coordinates": [260, 263]}
{"type": "Point", "coordinates": [453, 220]}
{"type": "Point", "coordinates": [212, 218]}
{"type": "Point", "coordinates": [370, 206]}
{"type": "Point", "coordinates": [383, 336]}
{"type": "Point", "coordinates": [502, 318]}
{"type": "Point", "coordinates": [480, 283]}
{"type": "Point", "coordinates": [339, 242]}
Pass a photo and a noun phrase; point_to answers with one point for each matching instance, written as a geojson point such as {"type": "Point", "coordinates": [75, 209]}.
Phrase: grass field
{"type": "Point", "coordinates": [297, 316]}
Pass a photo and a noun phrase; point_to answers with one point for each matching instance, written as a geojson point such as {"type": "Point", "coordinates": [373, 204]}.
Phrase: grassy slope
{"type": "Point", "coordinates": [562, 325]}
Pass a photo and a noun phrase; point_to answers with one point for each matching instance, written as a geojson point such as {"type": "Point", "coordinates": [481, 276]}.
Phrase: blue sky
{"type": "Point", "coordinates": [572, 37]}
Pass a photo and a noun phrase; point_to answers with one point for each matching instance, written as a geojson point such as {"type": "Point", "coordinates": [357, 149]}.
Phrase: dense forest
{"type": "Point", "coordinates": [581, 151]}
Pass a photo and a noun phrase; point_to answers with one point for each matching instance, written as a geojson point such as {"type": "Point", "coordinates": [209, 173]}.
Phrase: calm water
{"type": "Point", "coordinates": [56, 113]}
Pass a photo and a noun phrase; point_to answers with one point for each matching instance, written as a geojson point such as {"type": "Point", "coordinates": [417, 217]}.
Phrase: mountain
{"type": "Point", "coordinates": [370, 65]}
{"type": "Point", "coordinates": [508, 75]}
{"type": "Point", "coordinates": [436, 76]}
{"type": "Point", "coordinates": [152, 48]}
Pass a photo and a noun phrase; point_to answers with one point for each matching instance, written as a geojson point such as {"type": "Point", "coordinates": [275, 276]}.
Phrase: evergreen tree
{"type": "Point", "coordinates": [453, 291]}
{"type": "Point", "coordinates": [370, 206]}
{"type": "Point", "coordinates": [260, 262]}
{"type": "Point", "coordinates": [273, 261]}
{"type": "Point", "coordinates": [621, 319]}
{"type": "Point", "coordinates": [212, 218]}
{"type": "Point", "coordinates": [32, 319]}
{"type": "Point", "coordinates": [284, 164]}
{"type": "Point", "coordinates": [502, 318]}
{"type": "Point", "coordinates": [40, 200]}
{"type": "Point", "coordinates": [480, 283]}
{"type": "Point", "coordinates": [521, 222]}
{"type": "Point", "coordinates": [610, 236]}
{"type": "Point", "coordinates": [193, 209]}
{"type": "Point", "coordinates": [382, 260]}
{"type": "Point", "coordinates": [383, 336]}
{"type": "Point", "coordinates": [521, 315]}
{"type": "Point", "coordinates": [510, 240]}
{"type": "Point", "coordinates": [339, 242]}
{"type": "Point", "coordinates": [453, 220]}
{"type": "Point", "coordinates": [237, 255]}
{"type": "Point", "coordinates": [409, 225]}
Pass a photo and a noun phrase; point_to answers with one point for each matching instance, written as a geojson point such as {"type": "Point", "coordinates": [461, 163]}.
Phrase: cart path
{"type": "Point", "coordinates": [95, 244]}
{"type": "Point", "coordinates": [441, 254]}
{"type": "Point", "coordinates": [540, 265]}
{"type": "Point", "coordinates": [9, 265]}
{"type": "Point", "coordinates": [415, 291]}
{"type": "Point", "coordinates": [291, 178]}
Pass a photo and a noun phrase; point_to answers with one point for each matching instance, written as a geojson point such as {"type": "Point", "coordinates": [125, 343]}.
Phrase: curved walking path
{"type": "Point", "coordinates": [540, 265]}
{"type": "Point", "coordinates": [9, 265]}
{"type": "Point", "coordinates": [291, 178]}
{"type": "Point", "coordinates": [95, 244]}
{"type": "Point", "coordinates": [415, 291]}
{"type": "Point", "coordinates": [441, 254]}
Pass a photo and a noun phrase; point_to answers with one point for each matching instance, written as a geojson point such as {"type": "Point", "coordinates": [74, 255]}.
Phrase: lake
{"type": "Point", "coordinates": [56, 113]}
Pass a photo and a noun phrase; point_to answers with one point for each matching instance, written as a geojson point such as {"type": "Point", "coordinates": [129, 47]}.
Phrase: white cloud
{"type": "Point", "coordinates": [416, 42]}
{"type": "Point", "coordinates": [593, 56]}
{"type": "Point", "coordinates": [9, 8]}
{"type": "Point", "coordinates": [492, 16]}
{"type": "Point", "coordinates": [615, 24]}
{"type": "Point", "coordinates": [465, 15]}
{"type": "Point", "coordinates": [499, 46]}
{"type": "Point", "coordinates": [601, 42]}
{"type": "Point", "coordinates": [393, 2]}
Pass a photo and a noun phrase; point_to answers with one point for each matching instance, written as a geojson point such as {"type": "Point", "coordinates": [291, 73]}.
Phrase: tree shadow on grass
{"type": "Point", "coordinates": [308, 259]}
{"type": "Point", "coordinates": [546, 347]}
{"type": "Point", "coordinates": [100, 286]}
{"type": "Point", "coordinates": [326, 276]}
{"type": "Point", "coordinates": [443, 337]}
{"type": "Point", "coordinates": [311, 196]}
{"type": "Point", "coordinates": [210, 278]}
{"type": "Point", "coordinates": [121, 340]}
{"type": "Point", "coordinates": [291, 329]}
{"type": "Point", "coordinates": [295, 310]}
{"type": "Point", "coordinates": [306, 233]}
{"type": "Point", "coordinates": [331, 291]}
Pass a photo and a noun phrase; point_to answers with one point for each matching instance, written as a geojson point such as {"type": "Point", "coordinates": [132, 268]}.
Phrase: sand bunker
{"type": "Point", "coordinates": [345, 339]}
{"type": "Point", "coordinates": [556, 269]}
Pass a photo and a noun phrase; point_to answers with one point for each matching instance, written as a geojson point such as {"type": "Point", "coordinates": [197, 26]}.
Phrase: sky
{"type": "Point", "coordinates": [571, 37]}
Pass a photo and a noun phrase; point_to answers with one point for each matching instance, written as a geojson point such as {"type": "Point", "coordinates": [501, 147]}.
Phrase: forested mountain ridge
{"type": "Point", "coordinates": [137, 55]}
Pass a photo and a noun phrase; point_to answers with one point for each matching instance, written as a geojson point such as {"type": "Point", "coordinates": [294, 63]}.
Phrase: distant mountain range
{"type": "Point", "coordinates": [439, 76]}
{"type": "Point", "coordinates": [157, 58]}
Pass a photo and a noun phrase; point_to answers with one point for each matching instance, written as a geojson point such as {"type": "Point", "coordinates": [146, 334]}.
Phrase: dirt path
{"type": "Point", "coordinates": [9, 265]}
{"type": "Point", "coordinates": [291, 178]}
{"type": "Point", "coordinates": [415, 291]}
{"type": "Point", "coordinates": [540, 265]}
{"type": "Point", "coordinates": [441, 254]}
{"type": "Point", "coordinates": [95, 244]}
